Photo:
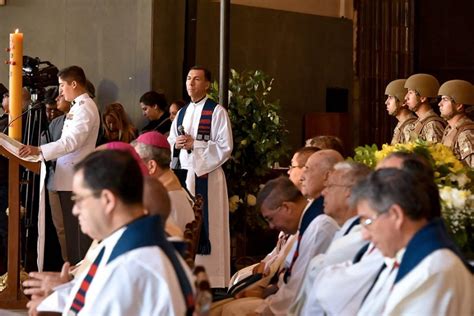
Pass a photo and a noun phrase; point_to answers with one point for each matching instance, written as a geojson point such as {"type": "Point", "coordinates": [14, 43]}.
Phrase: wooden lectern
{"type": "Point", "coordinates": [12, 297]}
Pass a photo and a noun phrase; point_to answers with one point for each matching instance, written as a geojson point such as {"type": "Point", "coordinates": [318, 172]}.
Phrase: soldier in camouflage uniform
{"type": "Point", "coordinates": [456, 95]}
{"type": "Point", "coordinates": [422, 89]}
{"type": "Point", "coordinates": [396, 92]}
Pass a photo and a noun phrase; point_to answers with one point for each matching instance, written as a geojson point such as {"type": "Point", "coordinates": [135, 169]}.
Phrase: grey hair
{"type": "Point", "coordinates": [416, 194]}
{"type": "Point", "coordinates": [162, 156]}
{"type": "Point", "coordinates": [277, 191]}
{"type": "Point", "coordinates": [352, 172]}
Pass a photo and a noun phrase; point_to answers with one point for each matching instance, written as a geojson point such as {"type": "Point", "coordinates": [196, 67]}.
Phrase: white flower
{"type": "Point", "coordinates": [462, 179]}
{"type": "Point", "coordinates": [459, 198]}
{"type": "Point", "coordinates": [445, 195]}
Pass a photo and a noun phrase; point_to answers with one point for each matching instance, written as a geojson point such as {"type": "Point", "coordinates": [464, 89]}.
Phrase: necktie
{"type": "Point", "coordinates": [80, 297]}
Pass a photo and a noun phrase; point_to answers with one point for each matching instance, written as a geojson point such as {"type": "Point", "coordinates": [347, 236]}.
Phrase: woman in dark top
{"type": "Point", "coordinates": [155, 109]}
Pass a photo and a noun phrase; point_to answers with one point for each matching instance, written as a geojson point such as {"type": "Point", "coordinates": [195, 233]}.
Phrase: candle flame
{"type": "Point", "coordinates": [16, 31]}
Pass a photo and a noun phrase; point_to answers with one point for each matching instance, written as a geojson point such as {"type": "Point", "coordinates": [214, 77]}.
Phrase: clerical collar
{"type": "Point", "coordinates": [199, 99]}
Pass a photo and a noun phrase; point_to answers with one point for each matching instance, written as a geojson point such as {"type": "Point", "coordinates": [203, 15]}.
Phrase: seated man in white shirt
{"type": "Point", "coordinates": [41, 284]}
{"type": "Point", "coordinates": [285, 208]}
{"type": "Point", "coordinates": [424, 273]}
{"type": "Point", "coordinates": [285, 241]}
{"type": "Point", "coordinates": [154, 149]}
{"type": "Point", "coordinates": [348, 240]}
{"type": "Point", "coordinates": [135, 271]}
{"type": "Point", "coordinates": [275, 260]}
{"type": "Point", "coordinates": [339, 289]}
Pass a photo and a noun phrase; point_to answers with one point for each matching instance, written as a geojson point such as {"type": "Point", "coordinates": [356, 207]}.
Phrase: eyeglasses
{"type": "Point", "coordinates": [293, 167]}
{"type": "Point", "coordinates": [78, 199]}
{"type": "Point", "coordinates": [371, 220]}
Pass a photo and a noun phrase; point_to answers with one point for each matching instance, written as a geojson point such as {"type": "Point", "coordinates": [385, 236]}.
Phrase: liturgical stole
{"type": "Point", "coordinates": [148, 231]}
{"type": "Point", "coordinates": [314, 210]}
{"type": "Point", "coordinates": [201, 187]}
{"type": "Point", "coordinates": [430, 238]}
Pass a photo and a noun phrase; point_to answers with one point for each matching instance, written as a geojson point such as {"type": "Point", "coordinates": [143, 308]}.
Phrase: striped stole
{"type": "Point", "coordinates": [203, 134]}
{"type": "Point", "coordinates": [316, 209]}
{"type": "Point", "coordinates": [80, 297]}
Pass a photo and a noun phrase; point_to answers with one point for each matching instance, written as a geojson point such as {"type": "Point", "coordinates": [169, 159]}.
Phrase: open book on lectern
{"type": "Point", "coordinates": [13, 146]}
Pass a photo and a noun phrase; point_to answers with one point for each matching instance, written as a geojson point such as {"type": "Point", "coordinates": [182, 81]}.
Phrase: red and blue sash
{"type": "Point", "coordinates": [201, 186]}
{"type": "Point", "coordinates": [148, 231]}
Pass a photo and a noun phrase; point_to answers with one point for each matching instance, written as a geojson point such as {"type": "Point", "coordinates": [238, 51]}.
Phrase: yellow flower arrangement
{"type": "Point", "coordinates": [445, 165]}
{"type": "Point", "coordinates": [455, 182]}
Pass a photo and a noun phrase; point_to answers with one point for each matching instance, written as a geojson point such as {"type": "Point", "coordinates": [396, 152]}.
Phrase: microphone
{"type": "Point", "coordinates": [32, 107]}
{"type": "Point", "coordinates": [182, 133]}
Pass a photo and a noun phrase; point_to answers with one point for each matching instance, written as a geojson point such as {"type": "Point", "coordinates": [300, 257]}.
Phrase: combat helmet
{"type": "Point", "coordinates": [426, 85]}
{"type": "Point", "coordinates": [397, 89]}
{"type": "Point", "coordinates": [461, 91]}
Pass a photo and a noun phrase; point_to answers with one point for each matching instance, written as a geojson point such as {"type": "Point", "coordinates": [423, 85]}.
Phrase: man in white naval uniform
{"type": "Point", "coordinates": [135, 270]}
{"type": "Point", "coordinates": [424, 274]}
{"type": "Point", "coordinates": [348, 240]}
{"type": "Point", "coordinates": [78, 138]}
{"type": "Point", "coordinates": [201, 137]}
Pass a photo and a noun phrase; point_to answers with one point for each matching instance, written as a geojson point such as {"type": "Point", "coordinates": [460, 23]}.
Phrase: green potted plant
{"type": "Point", "coordinates": [259, 137]}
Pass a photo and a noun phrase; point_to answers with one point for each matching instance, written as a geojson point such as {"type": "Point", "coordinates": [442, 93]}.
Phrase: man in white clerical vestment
{"type": "Point", "coordinates": [424, 273]}
{"type": "Point", "coordinates": [134, 270]}
{"type": "Point", "coordinates": [201, 140]}
{"type": "Point", "coordinates": [347, 241]}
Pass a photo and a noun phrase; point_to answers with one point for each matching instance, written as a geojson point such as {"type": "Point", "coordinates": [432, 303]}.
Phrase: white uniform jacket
{"type": "Point", "coordinates": [78, 139]}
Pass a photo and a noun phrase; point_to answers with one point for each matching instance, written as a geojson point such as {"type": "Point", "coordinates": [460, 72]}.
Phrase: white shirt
{"type": "Point", "coordinates": [316, 239]}
{"type": "Point", "coordinates": [139, 282]}
{"type": "Point", "coordinates": [374, 303]}
{"type": "Point", "coordinates": [348, 223]}
{"type": "Point", "coordinates": [439, 285]}
{"type": "Point", "coordinates": [342, 248]}
{"type": "Point", "coordinates": [340, 288]}
{"type": "Point", "coordinates": [273, 261]}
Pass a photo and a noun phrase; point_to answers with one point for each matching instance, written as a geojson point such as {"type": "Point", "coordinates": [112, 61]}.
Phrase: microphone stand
{"type": "Point", "coordinates": [36, 124]}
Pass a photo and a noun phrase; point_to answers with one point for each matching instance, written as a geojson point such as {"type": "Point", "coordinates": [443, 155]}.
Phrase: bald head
{"type": "Point", "coordinates": [155, 198]}
{"type": "Point", "coordinates": [315, 171]}
{"type": "Point", "coordinates": [391, 161]}
{"type": "Point", "coordinates": [407, 160]}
